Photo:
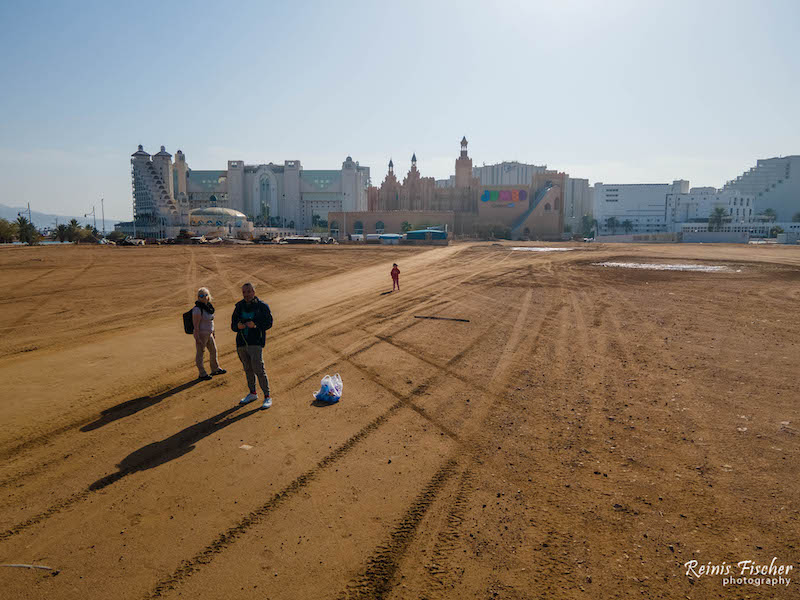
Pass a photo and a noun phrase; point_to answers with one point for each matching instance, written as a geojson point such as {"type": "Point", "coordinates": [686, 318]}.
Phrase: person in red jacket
{"type": "Point", "coordinates": [395, 277]}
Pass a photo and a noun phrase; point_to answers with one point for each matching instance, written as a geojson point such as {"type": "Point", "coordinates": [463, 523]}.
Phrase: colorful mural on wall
{"type": "Point", "coordinates": [504, 198]}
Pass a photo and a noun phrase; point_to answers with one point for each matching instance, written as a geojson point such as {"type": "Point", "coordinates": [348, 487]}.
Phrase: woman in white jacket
{"type": "Point", "coordinates": [203, 320]}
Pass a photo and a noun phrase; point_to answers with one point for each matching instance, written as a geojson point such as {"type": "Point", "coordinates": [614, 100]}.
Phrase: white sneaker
{"type": "Point", "coordinates": [267, 402]}
{"type": "Point", "coordinates": [249, 398]}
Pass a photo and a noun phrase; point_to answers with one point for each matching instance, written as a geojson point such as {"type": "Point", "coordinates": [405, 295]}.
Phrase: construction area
{"type": "Point", "coordinates": [569, 421]}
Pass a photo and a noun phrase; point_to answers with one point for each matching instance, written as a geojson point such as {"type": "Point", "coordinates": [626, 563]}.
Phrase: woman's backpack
{"type": "Point", "coordinates": [188, 323]}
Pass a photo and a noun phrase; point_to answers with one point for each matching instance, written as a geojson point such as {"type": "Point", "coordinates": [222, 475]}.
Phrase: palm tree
{"type": "Point", "coordinates": [73, 230]}
{"type": "Point", "coordinates": [627, 225]}
{"type": "Point", "coordinates": [588, 224]}
{"type": "Point", "coordinates": [716, 219]}
{"type": "Point", "coordinates": [796, 218]}
{"type": "Point", "coordinates": [61, 232]}
{"type": "Point", "coordinates": [775, 231]}
{"type": "Point", "coordinates": [612, 224]}
{"type": "Point", "coordinates": [406, 227]}
{"type": "Point", "coordinates": [769, 213]}
{"type": "Point", "coordinates": [25, 230]}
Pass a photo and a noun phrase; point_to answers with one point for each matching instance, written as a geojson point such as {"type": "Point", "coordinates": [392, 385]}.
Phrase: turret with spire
{"type": "Point", "coordinates": [463, 167]}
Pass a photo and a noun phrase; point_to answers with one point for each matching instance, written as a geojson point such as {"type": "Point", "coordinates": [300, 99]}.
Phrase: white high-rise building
{"type": "Point", "coordinates": [507, 173]}
{"type": "Point", "coordinates": [155, 206]}
{"type": "Point", "coordinates": [774, 183]}
{"type": "Point", "coordinates": [577, 202]}
{"type": "Point", "coordinates": [504, 173]}
{"type": "Point", "coordinates": [698, 205]}
{"type": "Point", "coordinates": [641, 205]}
{"type": "Point", "coordinates": [278, 195]}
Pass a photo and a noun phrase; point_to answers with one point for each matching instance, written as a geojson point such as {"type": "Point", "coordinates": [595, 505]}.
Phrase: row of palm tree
{"type": "Point", "coordinates": [612, 223]}
{"type": "Point", "coordinates": [73, 232]}
{"type": "Point", "coordinates": [21, 229]}
{"type": "Point", "coordinates": [25, 231]}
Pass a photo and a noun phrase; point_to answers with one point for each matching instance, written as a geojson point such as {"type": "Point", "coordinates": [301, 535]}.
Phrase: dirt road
{"type": "Point", "coordinates": [580, 430]}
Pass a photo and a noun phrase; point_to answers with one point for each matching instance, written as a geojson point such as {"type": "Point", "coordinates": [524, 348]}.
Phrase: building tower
{"type": "Point", "coordinates": [463, 167]}
{"type": "Point", "coordinates": [163, 165]}
{"type": "Point", "coordinates": [153, 205]}
{"type": "Point", "coordinates": [180, 170]}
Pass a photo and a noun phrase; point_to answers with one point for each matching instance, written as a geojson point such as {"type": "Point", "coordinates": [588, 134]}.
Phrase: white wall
{"type": "Point", "coordinates": [645, 205]}
{"type": "Point", "coordinates": [701, 202]}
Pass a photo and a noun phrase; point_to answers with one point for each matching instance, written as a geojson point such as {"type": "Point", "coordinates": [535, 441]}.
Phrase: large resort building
{"type": "Point", "coordinates": [529, 208]}
{"type": "Point", "coordinates": [166, 194]}
{"type": "Point", "coordinates": [530, 201]}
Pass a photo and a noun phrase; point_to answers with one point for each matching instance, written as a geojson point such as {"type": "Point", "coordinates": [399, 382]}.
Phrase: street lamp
{"type": "Point", "coordinates": [30, 220]}
{"type": "Point", "coordinates": [93, 216]}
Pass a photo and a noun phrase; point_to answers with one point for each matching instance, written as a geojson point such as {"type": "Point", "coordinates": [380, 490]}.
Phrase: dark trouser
{"type": "Point", "coordinates": [253, 364]}
{"type": "Point", "coordinates": [395, 283]}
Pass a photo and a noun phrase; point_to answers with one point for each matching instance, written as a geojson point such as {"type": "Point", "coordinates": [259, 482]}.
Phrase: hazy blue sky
{"type": "Point", "coordinates": [613, 91]}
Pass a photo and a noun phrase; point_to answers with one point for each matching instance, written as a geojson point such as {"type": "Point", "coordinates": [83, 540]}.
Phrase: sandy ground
{"type": "Point", "coordinates": [588, 432]}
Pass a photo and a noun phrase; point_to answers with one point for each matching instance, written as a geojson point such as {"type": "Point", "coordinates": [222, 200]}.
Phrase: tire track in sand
{"type": "Point", "coordinates": [348, 352]}
{"type": "Point", "coordinates": [225, 539]}
{"type": "Point", "coordinates": [376, 580]}
{"type": "Point", "coordinates": [405, 528]}
{"type": "Point", "coordinates": [340, 318]}
{"type": "Point", "coordinates": [438, 574]}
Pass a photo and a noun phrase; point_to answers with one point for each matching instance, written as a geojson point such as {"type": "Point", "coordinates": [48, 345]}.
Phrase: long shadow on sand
{"type": "Point", "coordinates": [173, 447]}
{"type": "Point", "coordinates": [131, 407]}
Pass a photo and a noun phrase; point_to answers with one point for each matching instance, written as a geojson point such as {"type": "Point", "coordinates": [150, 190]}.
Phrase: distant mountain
{"type": "Point", "coordinates": [41, 220]}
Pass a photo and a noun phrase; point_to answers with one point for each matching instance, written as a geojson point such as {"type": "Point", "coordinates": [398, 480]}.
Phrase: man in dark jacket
{"type": "Point", "coordinates": [250, 320]}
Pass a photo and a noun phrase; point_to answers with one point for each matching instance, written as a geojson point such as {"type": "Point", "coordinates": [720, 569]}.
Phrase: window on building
{"type": "Point", "coordinates": [358, 227]}
{"type": "Point", "coordinates": [380, 227]}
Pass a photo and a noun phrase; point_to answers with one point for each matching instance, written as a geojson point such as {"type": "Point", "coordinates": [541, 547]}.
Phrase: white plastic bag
{"type": "Point", "coordinates": [330, 390]}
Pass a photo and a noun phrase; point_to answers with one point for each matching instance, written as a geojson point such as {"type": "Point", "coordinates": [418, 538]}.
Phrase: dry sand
{"type": "Point", "coordinates": [585, 434]}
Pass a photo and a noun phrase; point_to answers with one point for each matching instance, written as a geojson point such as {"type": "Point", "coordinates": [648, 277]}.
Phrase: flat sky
{"type": "Point", "coordinates": [618, 91]}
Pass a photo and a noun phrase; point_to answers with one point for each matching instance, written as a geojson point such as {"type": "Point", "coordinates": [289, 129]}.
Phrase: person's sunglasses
{"type": "Point", "coordinates": [202, 295]}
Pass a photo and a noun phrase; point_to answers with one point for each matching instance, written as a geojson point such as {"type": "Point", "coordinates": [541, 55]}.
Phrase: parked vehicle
{"type": "Point", "coordinates": [129, 241]}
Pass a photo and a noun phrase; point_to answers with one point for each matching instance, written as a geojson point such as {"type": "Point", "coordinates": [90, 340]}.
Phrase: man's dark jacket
{"type": "Point", "coordinates": [256, 311]}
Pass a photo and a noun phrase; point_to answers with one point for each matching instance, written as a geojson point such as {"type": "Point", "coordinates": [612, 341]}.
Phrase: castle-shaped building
{"type": "Point", "coordinates": [531, 209]}
{"type": "Point", "coordinates": [420, 193]}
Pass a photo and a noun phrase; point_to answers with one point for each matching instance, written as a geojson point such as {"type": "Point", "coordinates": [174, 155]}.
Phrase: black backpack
{"type": "Point", "coordinates": [188, 323]}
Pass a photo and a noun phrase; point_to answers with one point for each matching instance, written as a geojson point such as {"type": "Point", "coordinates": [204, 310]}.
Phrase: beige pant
{"type": "Point", "coordinates": [206, 340]}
